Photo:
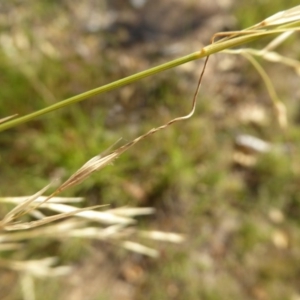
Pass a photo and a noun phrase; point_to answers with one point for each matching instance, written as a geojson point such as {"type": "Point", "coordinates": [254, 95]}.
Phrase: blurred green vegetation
{"type": "Point", "coordinates": [235, 248]}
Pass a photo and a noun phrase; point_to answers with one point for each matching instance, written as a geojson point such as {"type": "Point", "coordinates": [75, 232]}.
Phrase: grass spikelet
{"type": "Point", "coordinates": [21, 209]}
{"type": "Point", "coordinates": [282, 17]}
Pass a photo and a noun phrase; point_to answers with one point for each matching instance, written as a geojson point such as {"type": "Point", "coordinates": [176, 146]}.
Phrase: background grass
{"type": "Point", "coordinates": [236, 248]}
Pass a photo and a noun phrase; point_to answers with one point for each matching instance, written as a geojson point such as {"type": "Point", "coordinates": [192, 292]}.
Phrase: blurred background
{"type": "Point", "coordinates": [237, 204]}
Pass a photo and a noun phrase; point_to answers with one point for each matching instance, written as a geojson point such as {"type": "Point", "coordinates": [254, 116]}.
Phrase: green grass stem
{"type": "Point", "coordinates": [208, 50]}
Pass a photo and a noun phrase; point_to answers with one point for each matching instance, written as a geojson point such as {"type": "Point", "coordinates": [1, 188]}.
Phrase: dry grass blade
{"type": "Point", "coordinates": [28, 225]}
{"type": "Point", "coordinates": [3, 120]}
{"type": "Point", "coordinates": [162, 236]}
{"type": "Point", "coordinates": [37, 268]}
{"type": "Point", "coordinates": [111, 232]}
{"type": "Point", "coordinates": [132, 211]}
{"type": "Point", "coordinates": [37, 214]}
{"type": "Point", "coordinates": [40, 199]}
{"type": "Point", "coordinates": [98, 216]}
{"type": "Point", "coordinates": [138, 248]}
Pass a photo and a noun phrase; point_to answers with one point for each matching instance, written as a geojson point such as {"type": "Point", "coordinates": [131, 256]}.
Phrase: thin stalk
{"type": "Point", "coordinates": [273, 95]}
{"type": "Point", "coordinates": [208, 50]}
